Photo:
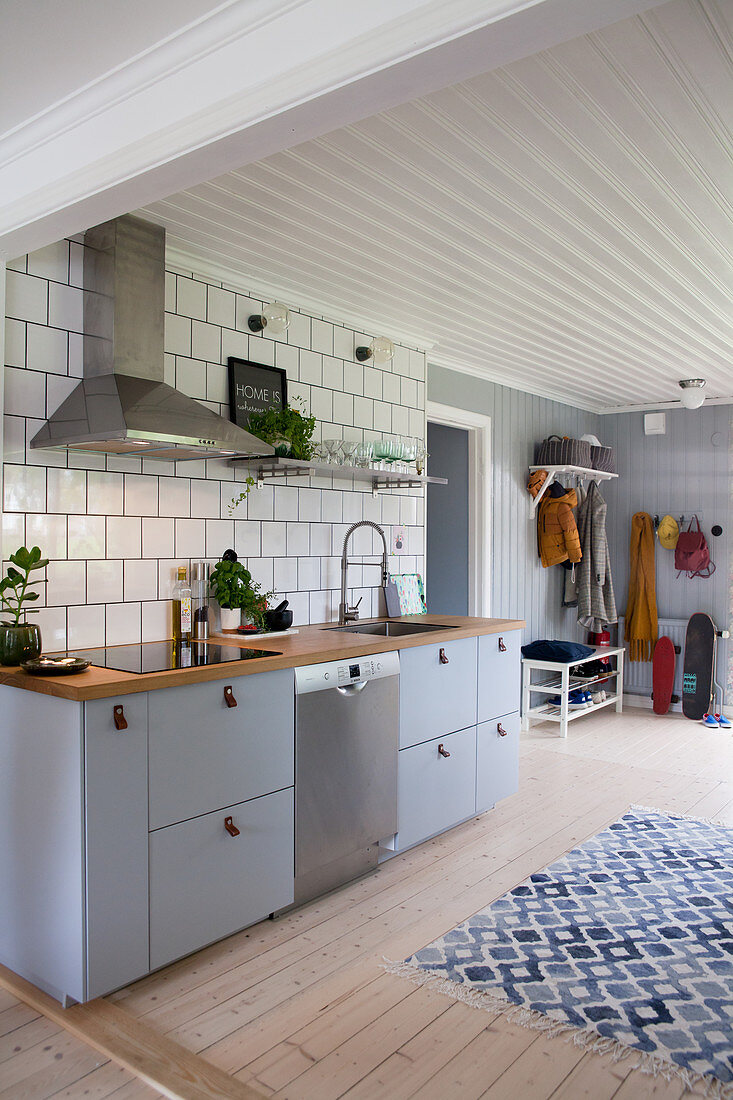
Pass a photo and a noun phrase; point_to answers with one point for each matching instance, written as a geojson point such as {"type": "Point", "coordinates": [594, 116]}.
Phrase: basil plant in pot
{"type": "Point", "coordinates": [237, 594]}
{"type": "Point", "coordinates": [19, 639]}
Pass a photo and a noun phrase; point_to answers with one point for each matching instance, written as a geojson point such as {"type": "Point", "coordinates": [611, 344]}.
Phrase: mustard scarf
{"type": "Point", "coordinates": [640, 629]}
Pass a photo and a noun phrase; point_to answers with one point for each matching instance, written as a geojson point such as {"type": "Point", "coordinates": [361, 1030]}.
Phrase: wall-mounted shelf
{"type": "Point", "coordinates": [579, 472]}
{"type": "Point", "coordinates": [273, 469]}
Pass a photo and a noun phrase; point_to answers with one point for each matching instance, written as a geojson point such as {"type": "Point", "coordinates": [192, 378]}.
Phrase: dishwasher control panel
{"type": "Point", "coordinates": [347, 671]}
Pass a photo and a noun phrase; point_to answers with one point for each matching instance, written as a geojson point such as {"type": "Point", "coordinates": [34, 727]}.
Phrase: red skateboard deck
{"type": "Point", "coordinates": [663, 674]}
{"type": "Point", "coordinates": [697, 680]}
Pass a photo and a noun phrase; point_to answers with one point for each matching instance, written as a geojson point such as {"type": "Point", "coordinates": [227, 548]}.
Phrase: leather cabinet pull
{"type": "Point", "coordinates": [444, 660]}
{"type": "Point", "coordinates": [119, 717]}
{"type": "Point", "coordinates": [442, 750]}
{"type": "Point", "coordinates": [229, 696]}
{"type": "Point", "coordinates": [500, 730]}
{"type": "Point", "coordinates": [230, 827]}
{"type": "Point", "coordinates": [502, 646]}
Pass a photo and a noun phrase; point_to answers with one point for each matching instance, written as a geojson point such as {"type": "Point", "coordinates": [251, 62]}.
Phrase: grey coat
{"type": "Point", "coordinates": [596, 601]}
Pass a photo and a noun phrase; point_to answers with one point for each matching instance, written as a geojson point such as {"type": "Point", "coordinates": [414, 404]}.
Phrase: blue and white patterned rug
{"type": "Point", "coordinates": [625, 944]}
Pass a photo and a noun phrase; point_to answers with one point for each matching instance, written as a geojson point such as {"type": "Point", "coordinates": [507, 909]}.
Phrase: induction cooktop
{"type": "Point", "coordinates": [165, 656]}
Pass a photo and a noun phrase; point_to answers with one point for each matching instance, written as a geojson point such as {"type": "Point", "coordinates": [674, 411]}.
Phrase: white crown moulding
{"type": "Point", "coordinates": [189, 109]}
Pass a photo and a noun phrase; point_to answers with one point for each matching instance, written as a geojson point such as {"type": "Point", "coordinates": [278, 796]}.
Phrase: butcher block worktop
{"type": "Point", "coordinates": [311, 645]}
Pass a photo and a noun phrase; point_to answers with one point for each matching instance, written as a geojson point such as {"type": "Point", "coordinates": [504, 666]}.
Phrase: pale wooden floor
{"type": "Point", "coordinates": [301, 1008]}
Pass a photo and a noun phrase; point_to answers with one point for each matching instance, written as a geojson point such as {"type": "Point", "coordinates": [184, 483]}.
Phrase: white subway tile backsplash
{"type": "Point", "coordinates": [51, 262]}
{"type": "Point", "coordinates": [158, 538]}
{"type": "Point", "coordinates": [190, 538]}
{"type": "Point", "coordinates": [66, 307]}
{"type": "Point", "coordinates": [220, 309]}
{"type": "Point", "coordinates": [47, 349]}
{"type": "Point", "coordinates": [67, 491]}
{"type": "Point", "coordinates": [191, 298]}
{"type": "Point", "coordinates": [26, 298]}
{"type": "Point", "coordinates": [156, 620]}
{"type": "Point", "coordinates": [86, 536]}
{"type": "Point", "coordinates": [205, 499]}
{"type": "Point", "coordinates": [48, 532]}
{"type": "Point", "coordinates": [14, 343]}
{"type": "Point", "coordinates": [116, 527]}
{"type": "Point", "coordinates": [86, 626]}
{"type": "Point", "coordinates": [104, 493]}
{"type": "Point", "coordinates": [299, 330]}
{"type": "Point", "coordinates": [205, 341]}
{"type": "Point", "coordinates": [25, 393]}
{"type": "Point", "coordinates": [104, 580]}
{"type": "Point", "coordinates": [177, 334]}
{"type": "Point", "coordinates": [124, 623]}
{"type": "Point", "coordinates": [52, 621]}
{"type": "Point", "coordinates": [24, 489]}
{"type": "Point", "coordinates": [124, 536]}
{"type": "Point", "coordinates": [140, 580]}
{"type": "Point", "coordinates": [219, 536]}
{"type": "Point", "coordinates": [66, 583]}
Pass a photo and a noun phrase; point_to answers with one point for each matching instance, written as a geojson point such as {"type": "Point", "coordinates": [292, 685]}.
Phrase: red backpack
{"type": "Point", "coordinates": [691, 555]}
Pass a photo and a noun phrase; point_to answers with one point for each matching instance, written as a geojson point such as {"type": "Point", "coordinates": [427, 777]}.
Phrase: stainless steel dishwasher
{"type": "Point", "coordinates": [346, 744]}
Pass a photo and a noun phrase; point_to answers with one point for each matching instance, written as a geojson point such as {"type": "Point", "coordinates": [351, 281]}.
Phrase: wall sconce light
{"type": "Point", "coordinates": [276, 317]}
{"type": "Point", "coordinates": [692, 395]}
{"type": "Point", "coordinates": [381, 350]}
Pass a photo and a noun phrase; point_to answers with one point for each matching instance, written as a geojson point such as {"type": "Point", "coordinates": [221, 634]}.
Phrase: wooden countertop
{"type": "Point", "coordinates": [312, 645]}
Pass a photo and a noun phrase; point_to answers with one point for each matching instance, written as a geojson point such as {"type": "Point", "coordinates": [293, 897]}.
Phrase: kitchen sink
{"type": "Point", "coordinates": [389, 629]}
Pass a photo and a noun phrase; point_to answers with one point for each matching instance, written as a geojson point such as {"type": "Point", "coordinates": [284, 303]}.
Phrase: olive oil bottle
{"type": "Point", "coordinates": [182, 609]}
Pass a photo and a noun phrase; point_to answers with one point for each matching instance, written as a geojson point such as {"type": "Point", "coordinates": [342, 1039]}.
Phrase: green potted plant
{"type": "Point", "coordinates": [228, 584]}
{"type": "Point", "coordinates": [20, 641]}
{"type": "Point", "coordinates": [288, 430]}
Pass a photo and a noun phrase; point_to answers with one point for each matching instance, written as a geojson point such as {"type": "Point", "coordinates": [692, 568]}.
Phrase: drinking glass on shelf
{"type": "Point", "coordinates": [421, 457]}
{"type": "Point", "coordinates": [381, 453]}
{"type": "Point", "coordinates": [320, 454]}
{"type": "Point", "coordinates": [348, 448]}
{"type": "Point", "coordinates": [333, 446]}
{"type": "Point", "coordinates": [364, 454]}
{"type": "Point", "coordinates": [410, 445]}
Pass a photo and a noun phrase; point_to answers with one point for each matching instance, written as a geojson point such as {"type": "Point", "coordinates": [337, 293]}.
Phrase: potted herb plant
{"type": "Point", "coordinates": [228, 584]}
{"type": "Point", "coordinates": [288, 430]}
{"type": "Point", "coordinates": [20, 641]}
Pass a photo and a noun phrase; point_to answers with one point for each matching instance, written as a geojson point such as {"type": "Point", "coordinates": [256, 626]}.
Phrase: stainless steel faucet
{"type": "Point", "coordinates": [351, 614]}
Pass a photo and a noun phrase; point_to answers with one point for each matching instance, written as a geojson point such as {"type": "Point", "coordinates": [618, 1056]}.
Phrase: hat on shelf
{"type": "Point", "coordinates": [668, 532]}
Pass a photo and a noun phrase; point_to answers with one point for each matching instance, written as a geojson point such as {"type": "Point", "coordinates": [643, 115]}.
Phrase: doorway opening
{"type": "Point", "coordinates": [458, 546]}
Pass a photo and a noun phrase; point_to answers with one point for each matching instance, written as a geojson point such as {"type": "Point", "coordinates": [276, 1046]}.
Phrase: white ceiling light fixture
{"type": "Point", "coordinates": [276, 317]}
{"type": "Point", "coordinates": [693, 394]}
{"type": "Point", "coordinates": [381, 350]}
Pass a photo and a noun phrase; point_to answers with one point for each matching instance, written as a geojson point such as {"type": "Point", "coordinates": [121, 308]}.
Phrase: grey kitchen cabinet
{"type": "Point", "coordinates": [499, 674]}
{"type": "Point", "coordinates": [79, 861]}
{"type": "Point", "coordinates": [497, 760]}
{"type": "Point", "coordinates": [471, 691]}
{"type": "Point", "coordinates": [116, 842]}
{"type": "Point", "coordinates": [207, 881]}
{"type": "Point", "coordinates": [437, 785]}
{"type": "Point", "coordinates": [206, 753]}
{"type": "Point", "coordinates": [437, 690]}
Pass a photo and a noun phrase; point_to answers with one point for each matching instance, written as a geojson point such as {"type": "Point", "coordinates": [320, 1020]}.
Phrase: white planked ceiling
{"type": "Point", "coordinates": [562, 225]}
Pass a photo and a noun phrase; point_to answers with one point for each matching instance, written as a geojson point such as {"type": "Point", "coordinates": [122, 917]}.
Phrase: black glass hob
{"type": "Point", "coordinates": [165, 656]}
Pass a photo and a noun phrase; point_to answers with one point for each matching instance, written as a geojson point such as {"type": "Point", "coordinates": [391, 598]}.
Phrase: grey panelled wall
{"type": "Point", "coordinates": [521, 588]}
{"type": "Point", "coordinates": [682, 472]}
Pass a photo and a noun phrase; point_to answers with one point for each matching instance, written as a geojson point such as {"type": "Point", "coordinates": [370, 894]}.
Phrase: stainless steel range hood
{"type": "Point", "coordinates": [122, 405]}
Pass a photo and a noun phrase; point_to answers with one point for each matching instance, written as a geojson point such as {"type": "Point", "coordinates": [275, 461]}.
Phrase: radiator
{"type": "Point", "coordinates": [638, 674]}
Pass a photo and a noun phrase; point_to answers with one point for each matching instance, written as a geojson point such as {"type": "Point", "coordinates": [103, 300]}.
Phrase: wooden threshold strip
{"type": "Point", "coordinates": [155, 1059]}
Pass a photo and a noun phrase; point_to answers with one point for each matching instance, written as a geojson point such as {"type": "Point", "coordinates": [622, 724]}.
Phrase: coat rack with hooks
{"type": "Point", "coordinates": [580, 473]}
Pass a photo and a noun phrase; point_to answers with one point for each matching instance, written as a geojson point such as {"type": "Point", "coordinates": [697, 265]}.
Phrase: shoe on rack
{"type": "Point", "coordinates": [710, 721]}
{"type": "Point", "coordinates": [577, 699]}
{"type": "Point", "coordinates": [723, 722]}
{"type": "Point", "coordinates": [598, 696]}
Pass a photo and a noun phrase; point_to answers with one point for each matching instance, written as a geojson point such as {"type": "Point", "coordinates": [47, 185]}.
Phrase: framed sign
{"type": "Point", "coordinates": [254, 387]}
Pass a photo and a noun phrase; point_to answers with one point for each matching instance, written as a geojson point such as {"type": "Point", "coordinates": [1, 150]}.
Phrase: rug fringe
{"type": "Point", "coordinates": [652, 1064]}
{"type": "Point", "coordinates": [680, 816]}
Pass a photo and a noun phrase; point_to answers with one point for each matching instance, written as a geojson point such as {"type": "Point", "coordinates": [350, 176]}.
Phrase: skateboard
{"type": "Point", "coordinates": [697, 678]}
{"type": "Point", "coordinates": [663, 675]}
